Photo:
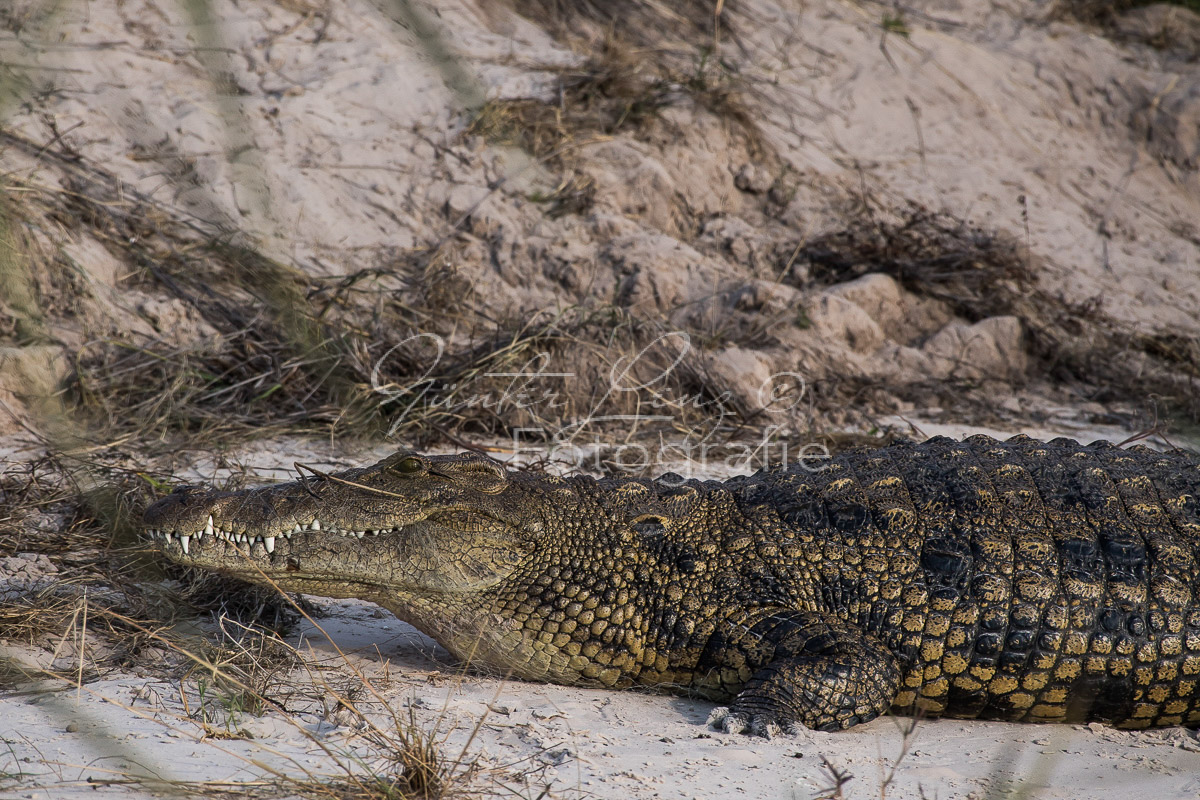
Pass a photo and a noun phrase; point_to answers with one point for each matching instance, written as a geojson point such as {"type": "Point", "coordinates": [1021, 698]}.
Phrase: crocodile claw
{"type": "Point", "coordinates": [764, 725]}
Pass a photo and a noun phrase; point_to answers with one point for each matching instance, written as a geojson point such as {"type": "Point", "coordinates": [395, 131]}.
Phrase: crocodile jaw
{"type": "Point", "coordinates": [183, 539]}
{"type": "Point", "coordinates": [450, 548]}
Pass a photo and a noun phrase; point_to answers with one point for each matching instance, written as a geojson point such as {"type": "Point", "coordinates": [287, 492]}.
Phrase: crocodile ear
{"type": "Point", "coordinates": [474, 472]}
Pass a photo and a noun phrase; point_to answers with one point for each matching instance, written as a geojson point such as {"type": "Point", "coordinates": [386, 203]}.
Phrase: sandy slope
{"type": "Point", "coordinates": [338, 146]}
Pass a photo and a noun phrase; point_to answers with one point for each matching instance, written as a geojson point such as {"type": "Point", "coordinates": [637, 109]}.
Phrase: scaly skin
{"type": "Point", "coordinates": [1017, 580]}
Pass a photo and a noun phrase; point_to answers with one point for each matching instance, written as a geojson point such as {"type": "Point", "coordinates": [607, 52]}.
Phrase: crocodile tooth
{"type": "Point", "coordinates": [360, 534]}
{"type": "Point", "coordinates": [183, 540]}
{"type": "Point", "coordinates": [270, 544]}
{"type": "Point", "coordinates": [316, 525]}
{"type": "Point", "coordinates": [298, 528]}
{"type": "Point", "coordinates": [208, 527]}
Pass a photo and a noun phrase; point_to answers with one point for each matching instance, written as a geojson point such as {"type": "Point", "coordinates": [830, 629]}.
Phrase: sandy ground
{"type": "Point", "coordinates": [576, 742]}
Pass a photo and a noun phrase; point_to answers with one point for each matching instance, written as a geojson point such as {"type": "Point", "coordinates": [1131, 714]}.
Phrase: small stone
{"type": "Point", "coordinates": [753, 179]}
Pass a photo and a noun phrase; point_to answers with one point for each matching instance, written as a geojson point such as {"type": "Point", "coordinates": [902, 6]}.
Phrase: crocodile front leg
{"type": "Point", "coordinates": [809, 669]}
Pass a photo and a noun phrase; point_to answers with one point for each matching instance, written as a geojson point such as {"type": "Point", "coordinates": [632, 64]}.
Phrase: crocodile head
{"type": "Point", "coordinates": [411, 524]}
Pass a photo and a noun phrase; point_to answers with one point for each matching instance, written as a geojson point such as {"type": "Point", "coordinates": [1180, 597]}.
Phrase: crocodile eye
{"type": "Point", "coordinates": [410, 465]}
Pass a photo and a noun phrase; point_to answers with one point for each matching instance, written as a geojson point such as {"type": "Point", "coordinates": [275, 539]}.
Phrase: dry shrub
{"type": "Point", "coordinates": [619, 88]}
{"type": "Point", "coordinates": [1170, 26]}
{"type": "Point", "coordinates": [978, 272]}
{"type": "Point", "coordinates": [1105, 11]}
{"type": "Point", "coordinates": [981, 273]}
{"type": "Point", "coordinates": [639, 21]}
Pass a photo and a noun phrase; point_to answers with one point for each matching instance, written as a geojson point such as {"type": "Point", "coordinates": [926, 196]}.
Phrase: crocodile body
{"type": "Point", "coordinates": [1020, 580]}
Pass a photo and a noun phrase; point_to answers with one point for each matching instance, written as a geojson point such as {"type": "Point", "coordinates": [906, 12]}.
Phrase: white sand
{"type": "Point", "coordinates": [578, 742]}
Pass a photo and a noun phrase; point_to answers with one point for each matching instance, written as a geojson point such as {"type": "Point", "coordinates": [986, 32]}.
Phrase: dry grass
{"type": "Point", "coordinates": [405, 351]}
{"type": "Point", "coordinates": [621, 87]}
{"type": "Point", "coordinates": [400, 350]}
{"type": "Point", "coordinates": [103, 600]}
{"type": "Point", "coordinates": [1170, 26]}
{"type": "Point", "coordinates": [977, 272]}
{"type": "Point", "coordinates": [392, 755]}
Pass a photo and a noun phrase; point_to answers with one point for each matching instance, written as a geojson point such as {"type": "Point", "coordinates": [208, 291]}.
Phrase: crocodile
{"type": "Point", "coordinates": [1015, 580]}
